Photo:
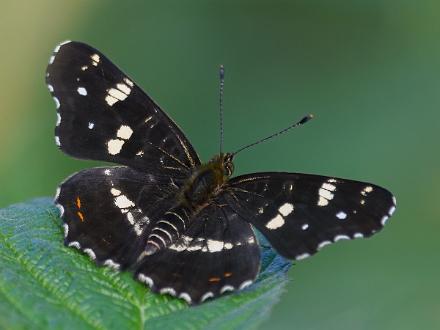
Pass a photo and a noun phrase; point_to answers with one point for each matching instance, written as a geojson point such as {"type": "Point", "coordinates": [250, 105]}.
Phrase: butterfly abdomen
{"type": "Point", "coordinates": [168, 229]}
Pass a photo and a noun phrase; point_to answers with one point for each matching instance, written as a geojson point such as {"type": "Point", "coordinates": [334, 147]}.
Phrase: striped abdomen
{"type": "Point", "coordinates": [168, 229]}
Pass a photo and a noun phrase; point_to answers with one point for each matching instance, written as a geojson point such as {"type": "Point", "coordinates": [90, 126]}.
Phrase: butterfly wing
{"type": "Point", "coordinates": [108, 212]}
{"type": "Point", "coordinates": [218, 253]}
{"type": "Point", "coordinates": [103, 115]}
{"type": "Point", "coordinates": [301, 213]}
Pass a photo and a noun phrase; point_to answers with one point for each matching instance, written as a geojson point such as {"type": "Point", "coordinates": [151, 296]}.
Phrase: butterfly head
{"type": "Point", "coordinates": [223, 165]}
{"type": "Point", "coordinates": [228, 165]}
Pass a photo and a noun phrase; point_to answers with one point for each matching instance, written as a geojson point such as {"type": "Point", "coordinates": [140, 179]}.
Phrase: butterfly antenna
{"type": "Point", "coordinates": [222, 85]}
{"type": "Point", "coordinates": [299, 123]}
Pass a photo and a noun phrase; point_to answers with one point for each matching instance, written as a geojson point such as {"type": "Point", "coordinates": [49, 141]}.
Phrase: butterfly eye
{"type": "Point", "coordinates": [229, 168]}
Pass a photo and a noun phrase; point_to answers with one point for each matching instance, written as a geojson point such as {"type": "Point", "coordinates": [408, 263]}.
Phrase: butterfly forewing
{"type": "Point", "coordinates": [103, 115]}
{"type": "Point", "coordinates": [300, 213]}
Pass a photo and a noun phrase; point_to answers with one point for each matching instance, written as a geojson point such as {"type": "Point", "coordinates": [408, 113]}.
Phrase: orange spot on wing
{"type": "Point", "coordinates": [214, 279]}
{"type": "Point", "coordinates": [228, 274]}
{"type": "Point", "coordinates": [78, 202]}
{"type": "Point", "coordinates": [80, 215]}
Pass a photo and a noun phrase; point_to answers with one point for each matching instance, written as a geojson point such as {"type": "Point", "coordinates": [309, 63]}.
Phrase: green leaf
{"type": "Point", "coordinates": [44, 284]}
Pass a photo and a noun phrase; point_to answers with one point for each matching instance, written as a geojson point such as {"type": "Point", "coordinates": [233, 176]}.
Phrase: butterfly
{"type": "Point", "coordinates": [185, 228]}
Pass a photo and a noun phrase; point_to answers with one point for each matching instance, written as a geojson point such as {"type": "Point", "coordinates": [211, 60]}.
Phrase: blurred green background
{"type": "Point", "coordinates": [368, 70]}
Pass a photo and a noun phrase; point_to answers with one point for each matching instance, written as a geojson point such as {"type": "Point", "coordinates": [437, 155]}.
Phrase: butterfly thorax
{"type": "Point", "coordinates": [206, 181]}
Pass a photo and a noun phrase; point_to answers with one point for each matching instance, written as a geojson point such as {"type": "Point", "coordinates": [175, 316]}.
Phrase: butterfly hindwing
{"type": "Point", "coordinates": [218, 253]}
{"type": "Point", "coordinates": [107, 212]}
{"type": "Point", "coordinates": [103, 115]}
{"type": "Point", "coordinates": [301, 213]}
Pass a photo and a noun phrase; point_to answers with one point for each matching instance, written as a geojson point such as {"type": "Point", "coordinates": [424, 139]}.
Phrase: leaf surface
{"type": "Point", "coordinates": [44, 284]}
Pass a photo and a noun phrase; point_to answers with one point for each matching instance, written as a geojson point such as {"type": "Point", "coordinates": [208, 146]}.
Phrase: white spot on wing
{"type": "Point", "coordinates": [324, 243]}
{"type": "Point", "coordinates": [124, 88]}
{"type": "Point", "coordinates": [66, 230]}
{"type": "Point", "coordinates": [60, 208]}
{"type": "Point", "coordinates": [322, 201]}
{"type": "Point", "coordinates": [391, 211]}
{"type": "Point", "coordinates": [75, 244]}
{"type": "Point", "coordinates": [111, 264]}
{"type": "Point", "coordinates": [114, 146]}
{"type": "Point", "coordinates": [366, 190]}
{"type": "Point", "coordinates": [84, 67]}
{"type": "Point", "coordinates": [57, 102]}
{"type": "Point", "coordinates": [187, 239]}
{"type": "Point", "coordinates": [384, 220]}
{"type": "Point", "coordinates": [358, 235]}
{"type": "Point", "coordinates": [245, 284]}
{"type": "Point", "coordinates": [305, 226]}
{"type": "Point", "coordinates": [124, 132]}
{"type": "Point", "coordinates": [50, 88]}
{"type": "Point", "coordinates": [95, 59]}
{"type": "Point", "coordinates": [130, 218]}
{"type": "Point", "coordinates": [120, 93]}
{"type": "Point", "coordinates": [185, 296]}
{"type": "Point", "coordinates": [286, 209]}
{"type": "Point", "coordinates": [302, 256]}
{"type": "Point", "coordinates": [341, 215]}
{"type": "Point", "coordinates": [340, 237]}
{"type": "Point", "coordinates": [325, 194]}
{"type": "Point", "coordinates": [226, 288]}
{"type": "Point", "coordinates": [90, 253]}
{"type": "Point", "coordinates": [179, 247]}
{"type": "Point", "coordinates": [91, 125]}
{"type": "Point", "coordinates": [82, 91]}
{"type": "Point", "coordinates": [206, 296]}
{"type": "Point", "coordinates": [215, 246]}
{"type": "Point", "coordinates": [57, 141]}
{"type": "Point", "coordinates": [123, 202]}
{"type": "Point", "coordinates": [115, 192]}
{"type": "Point", "coordinates": [51, 59]}
{"type": "Point", "coordinates": [110, 100]}
{"type": "Point", "coordinates": [228, 246]}
{"type": "Point", "coordinates": [169, 291]}
{"type": "Point", "coordinates": [145, 279]}
{"type": "Point", "coordinates": [275, 222]}
{"type": "Point", "coordinates": [128, 82]}
{"type": "Point", "coordinates": [328, 186]}
{"type": "Point", "coordinates": [117, 94]}
{"type": "Point", "coordinates": [58, 119]}
{"type": "Point", "coordinates": [57, 194]}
